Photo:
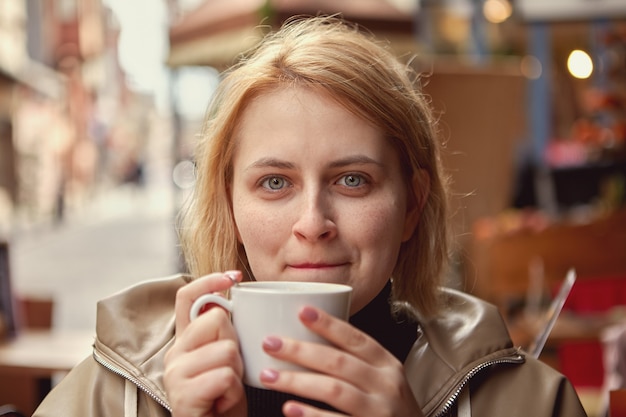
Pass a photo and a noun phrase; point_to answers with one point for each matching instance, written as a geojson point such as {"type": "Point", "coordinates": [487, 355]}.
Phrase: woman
{"type": "Point", "coordinates": [318, 162]}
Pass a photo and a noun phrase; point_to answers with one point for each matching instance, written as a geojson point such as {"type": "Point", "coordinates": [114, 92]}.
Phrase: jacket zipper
{"type": "Point", "coordinates": [450, 401]}
{"type": "Point", "coordinates": [131, 378]}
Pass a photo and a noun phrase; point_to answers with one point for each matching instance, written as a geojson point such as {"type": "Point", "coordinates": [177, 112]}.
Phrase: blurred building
{"type": "Point", "coordinates": [63, 99]}
{"type": "Point", "coordinates": [217, 31]}
{"type": "Point", "coordinates": [23, 82]}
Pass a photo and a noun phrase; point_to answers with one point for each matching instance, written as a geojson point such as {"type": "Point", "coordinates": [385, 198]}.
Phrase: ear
{"type": "Point", "coordinates": [418, 191]}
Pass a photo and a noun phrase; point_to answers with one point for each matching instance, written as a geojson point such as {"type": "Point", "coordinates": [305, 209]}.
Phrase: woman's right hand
{"type": "Point", "coordinates": [203, 368]}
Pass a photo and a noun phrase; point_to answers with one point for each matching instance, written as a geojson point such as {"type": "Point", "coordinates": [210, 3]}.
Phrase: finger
{"type": "Point", "coordinates": [186, 295]}
{"type": "Point", "coordinates": [211, 326]}
{"type": "Point", "coordinates": [217, 389]}
{"type": "Point", "coordinates": [374, 384]}
{"type": "Point", "coordinates": [345, 336]}
{"type": "Point", "coordinates": [296, 409]}
{"type": "Point", "coordinates": [228, 384]}
{"type": "Point", "coordinates": [342, 395]}
{"type": "Point", "coordinates": [318, 387]}
{"type": "Point", "coordinates": [223, 353]}
{"type": "Point", "coordinates": [321, 358]}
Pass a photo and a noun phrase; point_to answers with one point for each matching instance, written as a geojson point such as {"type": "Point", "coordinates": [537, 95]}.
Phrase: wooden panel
{"type": "Point", "coordinates": [21, 391]}
{"type": "Point", "coordinates": [8, 321]}
{"type": "Point", "coordinates": [29, 361]}
{"type": "Point", "coordinates": [617, 403]}
{"type": "Point", "coordinates": [499, 266]}
{"type": "Point", "coordinates": [481, 111]}
{"type": "Point", "coordinates": [35, 313]}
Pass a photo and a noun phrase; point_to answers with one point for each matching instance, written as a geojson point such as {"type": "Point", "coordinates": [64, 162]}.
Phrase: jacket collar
{"type": "Point", "coordinates": [134, 330]}
{"type": "Point", "coordinates": [468, 334]}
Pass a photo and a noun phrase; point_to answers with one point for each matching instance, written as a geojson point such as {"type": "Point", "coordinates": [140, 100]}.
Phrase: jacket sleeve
{"type": "Point", "coordinates": [530, 389]}
{"type": "Point", "coordinates": [90, 390]}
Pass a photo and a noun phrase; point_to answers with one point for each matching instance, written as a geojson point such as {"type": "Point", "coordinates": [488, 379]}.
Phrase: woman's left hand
{"type": "Point", "coordinates": [356, 375]}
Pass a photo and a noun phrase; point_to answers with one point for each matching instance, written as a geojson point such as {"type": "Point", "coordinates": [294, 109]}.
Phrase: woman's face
{"type": "Point", "coordinates": [317, 194]}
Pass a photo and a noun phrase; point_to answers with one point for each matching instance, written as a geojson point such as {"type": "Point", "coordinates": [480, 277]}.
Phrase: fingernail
{"type": "Point", "coordinates": [309, 314]}
{"type": "Point", "coordinates": [232, 275]}
{"type": "Point", "coordinates": [269, 375]}
{"type": "Point", "coordinates": [293, 410]}
{"type": "Point", "coordinates": [272, 343]}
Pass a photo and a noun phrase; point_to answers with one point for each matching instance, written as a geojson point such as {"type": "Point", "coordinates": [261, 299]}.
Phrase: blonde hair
{"type": "Point", "coordinates": [363, 76]}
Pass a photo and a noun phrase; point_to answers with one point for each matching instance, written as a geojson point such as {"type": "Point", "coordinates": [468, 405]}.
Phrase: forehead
{"type": "Point", "coordinates": [281, 91]}
{"type": "Point", "coordinates": [304, 115]}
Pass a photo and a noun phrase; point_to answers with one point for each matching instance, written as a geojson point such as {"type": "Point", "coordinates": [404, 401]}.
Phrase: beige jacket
{"type": "Point", "coordinates": [468, 347]}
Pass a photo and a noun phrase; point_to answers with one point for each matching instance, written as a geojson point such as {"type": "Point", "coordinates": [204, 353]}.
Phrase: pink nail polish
{"type": "Point", "coordinates": [232, 275]}
{"type": "Point", "coordinates": [269, 375]}
{"type": "Point", "coordinates": [309, 314]}
{"type": "Point", "coordinates": [272, 343]}
{"type": "Point", "coordinates": [293, 410]}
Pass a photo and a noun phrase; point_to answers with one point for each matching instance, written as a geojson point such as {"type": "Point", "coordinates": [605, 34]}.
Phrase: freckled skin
{"type": "Point", "coordinates": [317, 193]}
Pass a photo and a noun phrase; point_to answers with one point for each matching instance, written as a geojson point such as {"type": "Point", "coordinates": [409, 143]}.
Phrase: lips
{"type": "Point", "coordinates": [311, 265]}
{"type": "Point", "coordinates": [318, 271]}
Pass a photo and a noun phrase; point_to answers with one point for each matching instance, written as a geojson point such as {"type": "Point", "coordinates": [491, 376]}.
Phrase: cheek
{"type": "Point", "coordinates": [379, 226]}
{"type": "Point", "coordinates": [380, 237]}
{"type": "Point", "coordinates": [256, 228]}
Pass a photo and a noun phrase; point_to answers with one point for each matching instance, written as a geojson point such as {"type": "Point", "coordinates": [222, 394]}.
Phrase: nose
{"type": "Point", "coordinates": [315, 220]}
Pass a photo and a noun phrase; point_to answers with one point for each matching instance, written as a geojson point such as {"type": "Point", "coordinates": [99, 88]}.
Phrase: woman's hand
{"type": "Point", "coordinates": [356, 375]}
{"type": "Point", "coordinates": [203, 368]}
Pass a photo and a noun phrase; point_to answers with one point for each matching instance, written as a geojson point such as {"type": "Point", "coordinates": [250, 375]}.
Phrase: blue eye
{"type": "Point", "coordinates": [274, 183]}
{"type": "Point", "coordinates": [351, 180]}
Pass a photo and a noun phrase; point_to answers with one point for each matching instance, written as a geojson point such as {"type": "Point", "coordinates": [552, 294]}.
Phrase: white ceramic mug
{"type": "Point", "coordinates": [270, 308]}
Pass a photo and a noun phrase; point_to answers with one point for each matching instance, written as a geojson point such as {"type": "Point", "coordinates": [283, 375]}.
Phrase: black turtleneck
{"type": "Point", "coordinates": [396, 334]}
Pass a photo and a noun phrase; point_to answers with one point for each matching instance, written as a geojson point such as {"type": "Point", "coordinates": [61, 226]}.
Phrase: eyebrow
{"type": "Point", "coordinates": [355, 160]}
{"type": "Point", "coordinates": [270, 162]}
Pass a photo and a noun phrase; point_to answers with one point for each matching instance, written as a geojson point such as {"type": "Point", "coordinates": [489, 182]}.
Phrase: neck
{"type": "Point", "coordinates": [396, 333]}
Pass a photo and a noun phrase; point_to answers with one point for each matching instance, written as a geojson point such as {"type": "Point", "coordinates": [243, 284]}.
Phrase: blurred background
{"type": "Point", "coordinates": [101, 101]}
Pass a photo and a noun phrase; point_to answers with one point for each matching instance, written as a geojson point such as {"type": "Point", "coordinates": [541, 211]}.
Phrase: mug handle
{"type": "Point", "coordinates": [205, 299]}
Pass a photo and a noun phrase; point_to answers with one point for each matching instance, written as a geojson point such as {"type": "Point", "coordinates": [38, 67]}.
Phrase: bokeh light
{"type": "Point", "coordinates": [579, 64]}
{"type": "Point", "coordinates": [497, 11]}
{"type": "Point", "coordinates": [184, 174]}
{"type": "Point", "coordinates": [531, 67]}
